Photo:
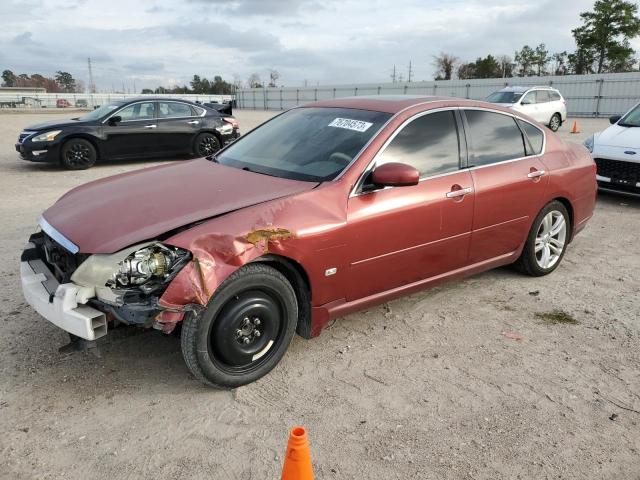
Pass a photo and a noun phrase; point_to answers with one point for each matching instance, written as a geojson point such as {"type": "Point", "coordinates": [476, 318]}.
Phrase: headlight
{"type": "Point", "coordinates": [148, 267]}
{"type": "Point", "coordinates": [46, 137]}
{"type": "Point", "coordinates": [588, 143]}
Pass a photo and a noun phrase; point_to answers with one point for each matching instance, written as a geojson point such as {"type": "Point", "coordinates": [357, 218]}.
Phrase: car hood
{"type": "Point", "coordinates": [110, 214]}
{"type": "Point", "coordinates": [36, 127]}
{"type": "Point", "coordinates": [617, 136]}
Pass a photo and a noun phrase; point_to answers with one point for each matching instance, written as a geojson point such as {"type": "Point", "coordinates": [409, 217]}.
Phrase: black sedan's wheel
{"type": "Point", "coordinates": [555, 122]}
{"type": "Point", "coordinates": [245, 329]}
{"type": "Point", "coordinates": [78, 154]}
{"type": "Point", "coordinates": [547, 241]}
{"type": "Point", "coordinates": [206, 144]}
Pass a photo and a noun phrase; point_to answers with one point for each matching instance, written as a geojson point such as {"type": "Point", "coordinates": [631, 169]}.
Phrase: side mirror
{"type": "Point", "coordinates": [614, 119]}
{"type": "Point", "coordinates": [115, 120]}
{"type": "Point", "coordinates": [395, 175]}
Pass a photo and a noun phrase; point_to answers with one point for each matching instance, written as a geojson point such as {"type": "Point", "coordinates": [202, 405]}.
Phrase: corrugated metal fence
{"type": "Point", "coordinates": [50, 100]}
{"type": "Point", "coordinates": [586, 95]}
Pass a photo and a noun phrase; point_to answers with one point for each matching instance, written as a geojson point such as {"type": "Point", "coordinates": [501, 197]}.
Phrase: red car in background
{"type": "Point", "coordinates": [62, 103]}
{"type": "Point", "coordinates": [323, 210]}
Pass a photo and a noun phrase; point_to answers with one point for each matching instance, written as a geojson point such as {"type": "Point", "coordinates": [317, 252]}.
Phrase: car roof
{"type": "Point", "coordinates": [385, 103]}
{"type": "Point", "coordinates": [520, 89]}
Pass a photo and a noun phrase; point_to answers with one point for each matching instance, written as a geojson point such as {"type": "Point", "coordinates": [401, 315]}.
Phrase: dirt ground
{"type": "Point", "coordinates": [427, 386]}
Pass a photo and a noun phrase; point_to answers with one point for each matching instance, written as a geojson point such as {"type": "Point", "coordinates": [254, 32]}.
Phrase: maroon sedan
{"type": "Point", "coordinates": [323, 210]}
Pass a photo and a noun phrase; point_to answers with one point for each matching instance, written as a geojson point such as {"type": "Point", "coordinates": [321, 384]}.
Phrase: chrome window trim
{"type": "Point", "coordinates": [57, 236]}
{"type": "Point", "coordinates": [356, 193]}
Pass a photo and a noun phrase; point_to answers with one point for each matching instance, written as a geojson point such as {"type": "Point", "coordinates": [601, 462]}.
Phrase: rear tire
{"type": "Point", "coordinates": [206, 144]}
{"type": "Point", "coordinates": [245, 329]}
{"type": "Point", "coordinates": [78, 154]}
{"type": "Point", "coordinates": [547, 241]}
{"type": "Point", "coordinates": [555, 122]}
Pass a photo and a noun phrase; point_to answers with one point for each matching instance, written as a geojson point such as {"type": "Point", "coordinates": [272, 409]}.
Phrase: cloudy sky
{"type": "Point", "coordinates": [164, 42]}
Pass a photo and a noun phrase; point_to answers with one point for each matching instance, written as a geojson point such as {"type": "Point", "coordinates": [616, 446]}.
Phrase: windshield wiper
{"type": "Point", "coordinates": [628, 125]}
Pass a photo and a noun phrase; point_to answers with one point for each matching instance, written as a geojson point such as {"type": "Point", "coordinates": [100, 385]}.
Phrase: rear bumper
{"type": "Point", "coordinates": [64, 305]}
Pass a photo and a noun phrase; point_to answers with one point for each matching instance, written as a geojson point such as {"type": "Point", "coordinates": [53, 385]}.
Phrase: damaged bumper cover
{"type": "Point", "coordinates": [50, 286]}
{"type": "Point", "coordinates": [64, 305]}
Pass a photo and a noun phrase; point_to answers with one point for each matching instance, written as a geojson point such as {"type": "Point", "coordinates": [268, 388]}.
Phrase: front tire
{"type": "Point", "coordinates": [78, 154]}
{"type": "Point", "coordinates": [555, 122]}
{"type": "Point", "coordinates": [245, 329]}
{"type": "Point", "coordinates": [547, 241]}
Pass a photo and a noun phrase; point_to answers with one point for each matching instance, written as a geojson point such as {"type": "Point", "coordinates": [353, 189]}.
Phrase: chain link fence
{"type": "Point", "coordinates": [586, 95]}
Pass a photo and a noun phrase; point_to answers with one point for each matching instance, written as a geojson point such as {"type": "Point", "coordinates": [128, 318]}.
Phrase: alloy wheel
{"type": "Point", "coordinates": [78, 155]}
{"type": "Point", "coordinates": [550, 239]}
{"type": "Point", "coordinates": [554, 124]}
{"type": "Point", "coordinates": [208, 146]}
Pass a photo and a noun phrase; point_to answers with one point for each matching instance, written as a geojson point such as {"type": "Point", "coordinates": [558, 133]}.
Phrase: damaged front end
{"type": "Point", "coordinates": [83, 293]}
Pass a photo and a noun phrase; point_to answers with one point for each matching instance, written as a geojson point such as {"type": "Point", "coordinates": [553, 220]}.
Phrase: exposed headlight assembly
{"type": "Point", "coordinates": [148, 267]}
{"type": "Point", "coordinates": [46, 137]}
{"type": "Point", "coordinates": [588, 143]}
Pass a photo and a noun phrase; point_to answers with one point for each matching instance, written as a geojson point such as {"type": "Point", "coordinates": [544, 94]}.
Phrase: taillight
{"type": "Point", "coordinates": [232, 121]}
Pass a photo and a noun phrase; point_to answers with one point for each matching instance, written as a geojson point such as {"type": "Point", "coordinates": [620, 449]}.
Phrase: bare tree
{"type": "Point", "coordinates": [254, 81]}
{"type": "Point", "coordinates": [273, 78]}
{"type": "Point", "coordinates": [445, 65]}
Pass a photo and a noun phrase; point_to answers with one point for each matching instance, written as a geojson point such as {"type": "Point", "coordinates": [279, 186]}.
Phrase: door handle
{"type": "Point", "coordinates": [194, 122]}
{"type": "Point", "coordinates": [150, 126]}
{"type": "Point", "coordinates": [459, 193]}
{"type": "Point", "coordinates": [536, 173]}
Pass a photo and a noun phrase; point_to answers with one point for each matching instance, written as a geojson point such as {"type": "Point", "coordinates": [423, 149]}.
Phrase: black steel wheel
{"type": "Point", "coordinates": [206, 144]}
{"type": "Point", "coordinates": [244, 330]}
{"type": "Point", "coordinates": [78, 154]}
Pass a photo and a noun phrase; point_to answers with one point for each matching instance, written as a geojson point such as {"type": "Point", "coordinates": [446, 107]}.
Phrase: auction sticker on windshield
{"type": "Point", "coordinates": [357, 125]}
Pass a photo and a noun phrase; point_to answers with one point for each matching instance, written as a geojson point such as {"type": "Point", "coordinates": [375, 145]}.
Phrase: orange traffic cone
{"type": "Point", "coordinates": [297, 459]}
{"type": "Point", "coordinates": [575, 127]}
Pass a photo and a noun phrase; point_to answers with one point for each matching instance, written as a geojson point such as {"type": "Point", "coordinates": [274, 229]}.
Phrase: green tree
{"type": "Point", "coordinates": [604, 37]}
{"type": "Point", "coordinates": [541, 58]}
{"type": "Point", "coordinates": [146, 91]}
{"type": "Point", "coordinates": [559, 60]}
{"type": "Point", "coordinates": [66, 81]}
{"type": "Point", "coordinates": [487, 67]}
{"type": "Point", "coordinates": [526, 59]}
{"type": "Point", "coordinates": [8, 78]}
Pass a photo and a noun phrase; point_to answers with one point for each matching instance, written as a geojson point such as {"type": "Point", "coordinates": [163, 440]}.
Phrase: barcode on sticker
{"type": "Point", "coordinates": [357, 125]}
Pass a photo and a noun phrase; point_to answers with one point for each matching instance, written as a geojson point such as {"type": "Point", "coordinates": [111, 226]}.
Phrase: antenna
{"type": "Point", "coordinates": [92, 86]}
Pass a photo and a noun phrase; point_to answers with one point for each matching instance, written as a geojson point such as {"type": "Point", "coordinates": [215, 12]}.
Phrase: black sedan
{"type": "Point", "coordinates": [140, 128]}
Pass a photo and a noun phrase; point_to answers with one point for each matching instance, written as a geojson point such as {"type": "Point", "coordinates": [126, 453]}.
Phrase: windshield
{"type": "Point", "coordinates": [99, 112]}
{"type": "Point", "coordinates": [311, 144]}
{"type": "Point", "coordinates": [504, 97]}
{"type": "Point", "coordinates": [632, 118]}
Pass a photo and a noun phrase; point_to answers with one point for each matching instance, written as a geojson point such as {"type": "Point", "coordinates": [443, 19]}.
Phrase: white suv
{"type": "Point", "coordinates": [543, 104]}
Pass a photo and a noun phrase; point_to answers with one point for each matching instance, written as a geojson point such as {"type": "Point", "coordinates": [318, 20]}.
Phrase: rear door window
{"type": "Point", "coordinates": [429, 143]}
{"type": "Point", "coordinates": [174, 110]}
{"type": "Point", "coordinates": [493, 137]}
{"type": "Point", "coordinates": [535, 136]}
{"type": "Point", "coordinates": [542, 96]}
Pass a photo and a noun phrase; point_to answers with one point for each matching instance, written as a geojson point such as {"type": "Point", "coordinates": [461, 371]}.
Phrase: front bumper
{"type": "Point", "coordinates": [64, 305]}
{"type": "Point", "coordinates": [44, 153]}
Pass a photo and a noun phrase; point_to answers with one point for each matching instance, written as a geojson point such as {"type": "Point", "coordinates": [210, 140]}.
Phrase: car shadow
{"type": "Point", "coordinates": [618, 199]}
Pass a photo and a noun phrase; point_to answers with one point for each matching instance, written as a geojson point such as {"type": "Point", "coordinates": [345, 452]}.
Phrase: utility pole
{"type": "Point", "coordinates": [134, 86]}
{"type": "Point", "coordinates": [92, 86]}
{"type": "Point", "coordinates": [410, 73]}
{"type": "Point", "coordinates": [393, 75]}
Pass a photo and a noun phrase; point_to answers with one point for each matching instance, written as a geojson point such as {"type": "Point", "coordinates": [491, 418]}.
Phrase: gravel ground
{"type": "Point", "coordinates": [427, 386]}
